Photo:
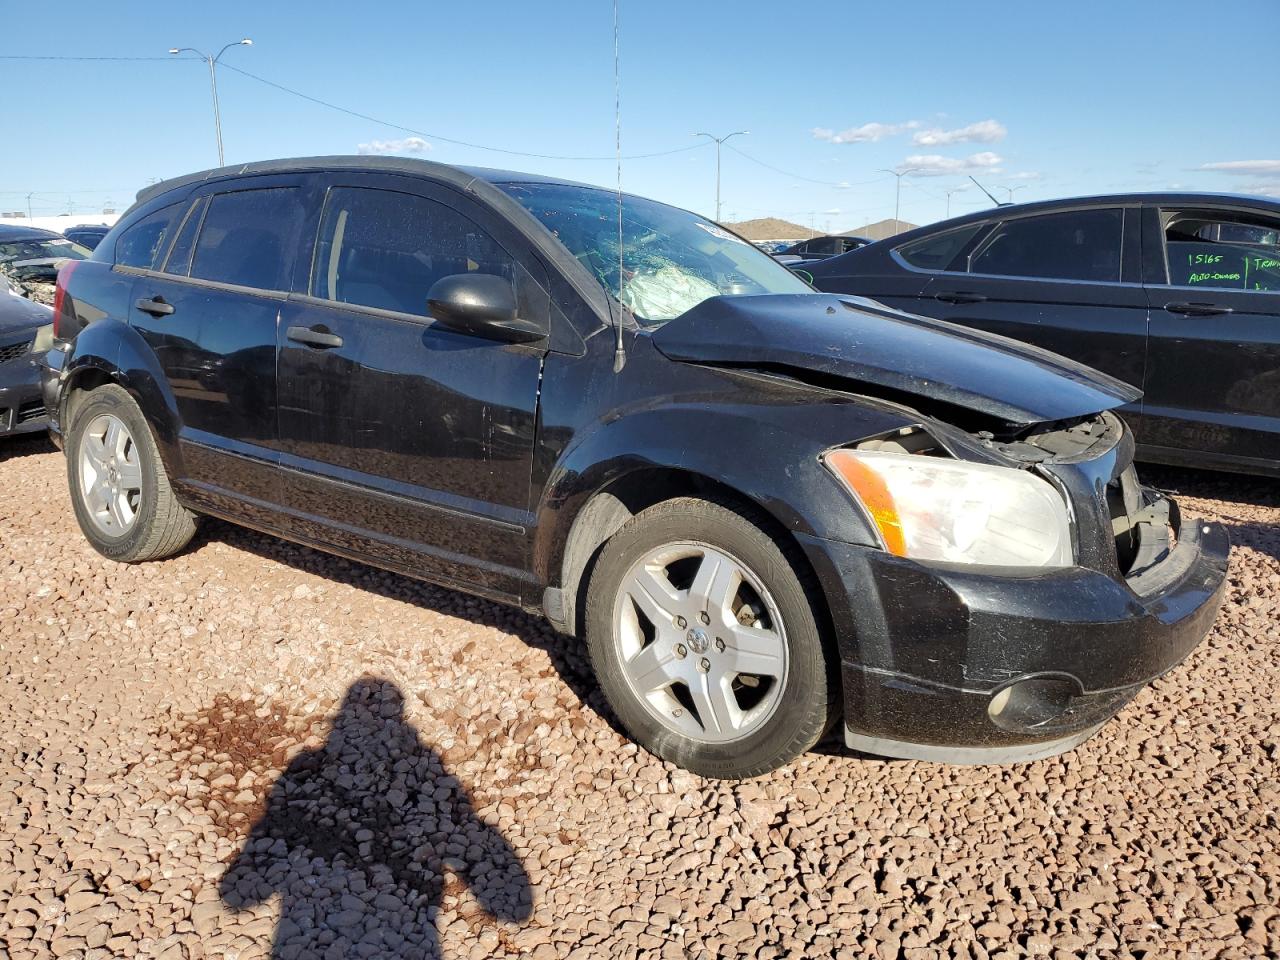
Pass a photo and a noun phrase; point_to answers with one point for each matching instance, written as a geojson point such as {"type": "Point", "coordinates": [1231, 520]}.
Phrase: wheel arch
{"type": "Point", "coordinates": [609, 508]}
{"type": "Point", "coordinates": [110, 352]}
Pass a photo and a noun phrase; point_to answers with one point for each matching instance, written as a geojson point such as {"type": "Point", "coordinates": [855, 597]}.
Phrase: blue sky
{"type": "Point", "coordinates": [1053, 99]}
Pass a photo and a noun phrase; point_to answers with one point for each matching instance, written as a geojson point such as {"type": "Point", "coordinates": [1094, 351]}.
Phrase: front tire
{"type": "Point", "coordinates": [705, 641]}
{"type": "Point", "coordinates": [119, 488]}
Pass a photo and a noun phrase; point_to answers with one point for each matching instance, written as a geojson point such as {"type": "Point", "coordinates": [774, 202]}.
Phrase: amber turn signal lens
{"type": "Point", "coordinates": [870, 489]}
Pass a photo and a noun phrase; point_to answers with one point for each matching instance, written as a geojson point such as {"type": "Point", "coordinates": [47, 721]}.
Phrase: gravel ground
{"type": "Point", "coordinates": [258, 750]}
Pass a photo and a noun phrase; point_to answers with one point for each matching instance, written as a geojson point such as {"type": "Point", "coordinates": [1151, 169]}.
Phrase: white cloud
{"type": "Point", "coordinates": [867, 133]}
{"type": "Point", "coordinates": [405, 145]}
{"type": "Point", "coordinates": [935, 165]}
{"type": "Point", "coordinates": [1257, 168]}
{"type": "Point", "coordinates": [984, 131]}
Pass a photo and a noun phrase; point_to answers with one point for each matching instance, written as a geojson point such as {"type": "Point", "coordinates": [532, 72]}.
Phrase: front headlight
{"type": "Point", "coordinates": [930, 508]}
{"type": "Point", "coordinates": [43, 340]}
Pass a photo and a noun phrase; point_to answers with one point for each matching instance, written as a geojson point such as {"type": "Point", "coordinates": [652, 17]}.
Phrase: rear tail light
{"type": "Point", "coordinates": [60, 302]}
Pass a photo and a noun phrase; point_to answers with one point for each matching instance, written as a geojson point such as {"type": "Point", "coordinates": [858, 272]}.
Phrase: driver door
{"type": "Point", "coordinates": [404, 441]}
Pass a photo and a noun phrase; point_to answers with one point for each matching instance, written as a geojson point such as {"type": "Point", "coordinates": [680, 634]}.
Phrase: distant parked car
{"type": "Point", "coordinates": [819, 248]}
{"type": "Point", "coordinates": [26, 331]}
{"type": "Point", "coordinates": [1175, 293]}
{"type": "Point", "coordinates": [773, 246]}
{"type": "Point", "coordinates": [88, 235]}
{"type": "Point", "coordinates": [29, 253]}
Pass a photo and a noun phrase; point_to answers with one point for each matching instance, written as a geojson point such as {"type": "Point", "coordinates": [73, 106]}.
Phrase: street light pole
{"type": "Point", "coordinates": [897, 195]}
{"type": "Point", "coordinates": [719, 141]}
{"type": "Point", "coordinates": [213, 82]}
{"type": "Point", "coordinates": [949, 193]}
{"type": "Point", "coordinates": [1011, 189]}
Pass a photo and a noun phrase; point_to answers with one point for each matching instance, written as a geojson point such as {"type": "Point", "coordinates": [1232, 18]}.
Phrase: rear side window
{"type": "Point", "coordinates": [1081, 245]}
{"type": "Point", "coordinates": [1223, 251]}
{"type": "Point", "coordinates": [937, 252]}
{"type": "Point", "coordinates": [248, 238]}
{"type": "Point", "coordinates": [383, 249]}
{"type": "Point", "coordinates": [142, 244]}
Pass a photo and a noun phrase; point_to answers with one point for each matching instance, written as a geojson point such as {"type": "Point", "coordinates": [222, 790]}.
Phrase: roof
{"type": "Point", "coordinates": [1102, 199]}
{"type": "Point", "coordinates": [459, 176]}
{"type": "Point", "coordinates": [8, 233]}
{"type": "Point", "coordinates": [479, 181]}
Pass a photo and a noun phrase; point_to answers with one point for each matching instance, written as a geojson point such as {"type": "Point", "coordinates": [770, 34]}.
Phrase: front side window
{"type": "Point", "coordinates": [247, 238]}
{"type": "Point", "coordinates": [1223, 251]}
{"type": "Point", "coordinates": [386, 250]}
{"type": "Point", "coordinates": [938, 251]}
{"type": "Point", "coordinates": [672, 260]}
{"type": "Point", "coordinates": [142, 244]}
{"type": "Point", "coordinates": [1080, 245]}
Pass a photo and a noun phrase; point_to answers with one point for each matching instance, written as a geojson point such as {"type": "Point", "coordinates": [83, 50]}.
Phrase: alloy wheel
{"type": "Point", "coordinates": [700, 642]}
{"type": "Point", "coordinates": [110, 475]}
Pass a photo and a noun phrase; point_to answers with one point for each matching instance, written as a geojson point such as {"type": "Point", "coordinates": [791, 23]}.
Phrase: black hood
{"type": "Point", "coordinates": [20, 315]}
{"type": "Point", "coordinates": [869, 348]}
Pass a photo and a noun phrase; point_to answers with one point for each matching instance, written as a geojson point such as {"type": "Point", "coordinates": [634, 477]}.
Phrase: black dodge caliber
{"type": "Point", "coordinates": [763, 509]}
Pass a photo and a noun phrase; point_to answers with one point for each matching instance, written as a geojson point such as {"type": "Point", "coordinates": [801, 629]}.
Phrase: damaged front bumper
{"type": "Point", "coordinates": [22, 408]}
{"type": "Point", "coordinates": [965, 665]}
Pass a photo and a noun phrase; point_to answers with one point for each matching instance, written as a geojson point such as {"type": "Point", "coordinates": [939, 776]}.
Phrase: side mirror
{"type": "Point", "coordinates": [482, 305]}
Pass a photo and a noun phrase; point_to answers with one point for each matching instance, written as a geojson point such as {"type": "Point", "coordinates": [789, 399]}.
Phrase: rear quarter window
{"type": "Point", "coordinates": [142, 244]}
{"type": "Point", "coordinates": [938, 251]}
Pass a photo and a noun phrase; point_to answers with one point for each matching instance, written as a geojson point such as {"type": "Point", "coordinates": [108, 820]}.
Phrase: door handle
{"type": "Point", "coordinates": [314, 337]}
{"type": "Point", "coordinates": [1198, 309]}
{"type": "Point", "coordinates": [155, 306]}
{"type": "Point", "coordinates": [959, 296]}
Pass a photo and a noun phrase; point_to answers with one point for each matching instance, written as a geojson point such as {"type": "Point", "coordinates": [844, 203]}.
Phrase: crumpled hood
{"type": "Point", "coordinates": [872, 346]}
{"type": "Point", "coordinates": [37, 267]}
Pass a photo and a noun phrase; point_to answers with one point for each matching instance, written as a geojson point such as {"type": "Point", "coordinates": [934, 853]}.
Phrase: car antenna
{"type": "Point", "coordinates": [619, 352]}
{"type": "Point", "coordinates": [987, 192]}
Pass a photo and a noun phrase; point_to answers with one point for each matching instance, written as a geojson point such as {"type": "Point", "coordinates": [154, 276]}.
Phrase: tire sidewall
{"type": "Point", "coordinates": [115, 401]}
{"type": "Point", "coordinates": [804, 701]}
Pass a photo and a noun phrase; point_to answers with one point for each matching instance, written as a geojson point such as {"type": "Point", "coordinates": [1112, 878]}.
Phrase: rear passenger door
{"type": "Point", "coordinates": [406, 442]}
{"type": "Point", "coordinates": [1213, 380]}
{"type": "Point", "coordinates": [208, 307]}
{"type": "Point", "coordinates": [1067, 281]}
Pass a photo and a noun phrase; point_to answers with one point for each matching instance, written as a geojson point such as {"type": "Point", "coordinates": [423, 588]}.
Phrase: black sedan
{"type": "Point", "coordinates": [1176, 293]}
{"type": "Point", "coordinates": [88, 235]}
{"type": "Point", "coordinates": [25, 330]}
{"type": "Point", "coordinates": [819, 248]}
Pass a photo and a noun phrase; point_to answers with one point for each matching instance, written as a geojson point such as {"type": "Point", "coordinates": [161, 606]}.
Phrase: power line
{"type": "Point", "coordinates": [436, 136]}
{"type": "Point", "coordinates": [796, 176]}
{"type": "Point", "coordinates": [8, 56]}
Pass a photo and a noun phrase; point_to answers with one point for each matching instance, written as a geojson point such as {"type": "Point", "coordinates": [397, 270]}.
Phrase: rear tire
{"type": "Point", "coordinates": [119, 488]}
{"type": "Point", "coordinates": [705, 641]}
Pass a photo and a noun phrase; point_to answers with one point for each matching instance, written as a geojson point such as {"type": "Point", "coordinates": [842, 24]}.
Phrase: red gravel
{"type": "Point", "coordinates": [256, 747]}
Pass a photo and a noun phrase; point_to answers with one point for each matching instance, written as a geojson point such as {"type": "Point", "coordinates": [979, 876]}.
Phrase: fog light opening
{"type": "Point", "coordinates": [1033, 702]}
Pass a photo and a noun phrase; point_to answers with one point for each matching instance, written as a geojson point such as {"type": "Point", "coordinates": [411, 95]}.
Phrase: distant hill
{"type": "Point", "coordinates": [771, 228]}
{"type": "Point", "coordinates": [880, 229]}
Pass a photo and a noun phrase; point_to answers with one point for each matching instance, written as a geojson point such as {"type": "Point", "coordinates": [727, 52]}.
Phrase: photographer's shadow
{"type": "Point", "coordinates": [363, 836]}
